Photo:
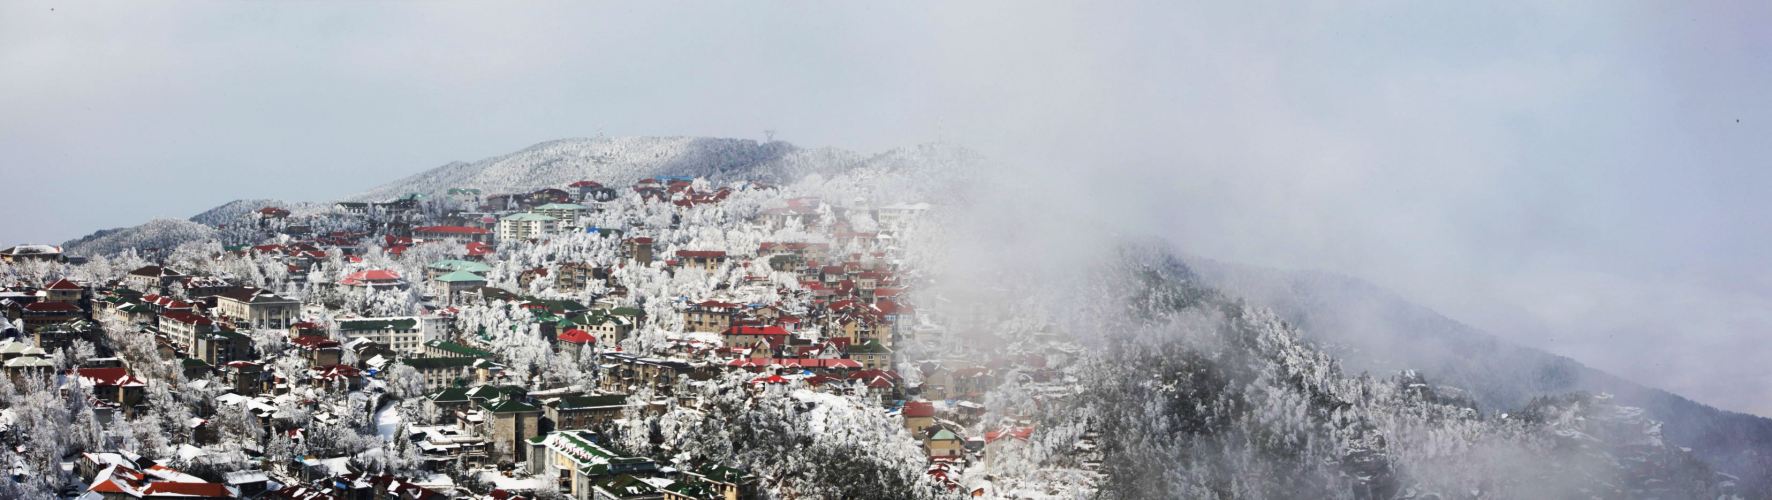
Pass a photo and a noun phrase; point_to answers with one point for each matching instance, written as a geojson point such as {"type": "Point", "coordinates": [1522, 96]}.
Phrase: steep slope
{"type": "Point", "coordinates": [1369, 328]}
{"type": "Point", "coordinates": [619, 161]}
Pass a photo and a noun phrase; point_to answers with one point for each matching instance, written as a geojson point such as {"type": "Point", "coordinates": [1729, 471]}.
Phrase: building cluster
{"type": "Point", "coordinates": [832, 312]}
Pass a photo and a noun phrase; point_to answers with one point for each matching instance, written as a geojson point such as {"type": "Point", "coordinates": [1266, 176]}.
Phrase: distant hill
{"type": "Point", "coordinates": [155, 234]}
{"type": "Point", "coordinates": [621, 161]}
{"type": "Point", "coordinates": [917, 172]}
{"type": "Point", "coordinates": [1369, 328]}
{"type": "Point", "coordinates": [231, 211]}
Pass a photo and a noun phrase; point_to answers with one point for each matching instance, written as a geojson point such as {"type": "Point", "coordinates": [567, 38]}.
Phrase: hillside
{"type": "Point", "coordinates": [1371, 329]}
{"type": "Point", "coordinates": [155, 234]}
{"type": "Point", "coordinates": [1185, 390]}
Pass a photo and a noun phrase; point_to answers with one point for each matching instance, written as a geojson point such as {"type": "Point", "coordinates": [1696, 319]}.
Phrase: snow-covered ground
{"type": "Point", "coordinates": [521, 483]}
{"type": "Point", "coordinates": [387, 421]}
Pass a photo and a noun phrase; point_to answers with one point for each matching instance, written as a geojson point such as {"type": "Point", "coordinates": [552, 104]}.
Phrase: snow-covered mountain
{"type": "Point", "coordinates": [621, 161]}
{"type": "Point", "coordinates": [155, 234]}
{"type": "Point", "coordinates": [1371, 329]}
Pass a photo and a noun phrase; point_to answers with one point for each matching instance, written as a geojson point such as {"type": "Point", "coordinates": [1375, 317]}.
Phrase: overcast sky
{"type": "Point", "coordinates": [1589, 178]}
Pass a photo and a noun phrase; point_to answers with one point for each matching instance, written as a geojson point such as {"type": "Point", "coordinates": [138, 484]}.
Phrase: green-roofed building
{"type": "Point", "coordinates": [450, 349]}
{"type": "Point", "coordinates": [624, 487]}
{"type": "Point", "coordinates": [447, 266]}
{"type": "Point", "coordinates": [444, 372]}
{"type": "Point", "coordinates": [512, 419]}
{"type": "Point", "coordinates": [944, 444]}
{"type": "Point", "coordinates": [872, 355]}
{"type": "Point", "coordinates": [581, 412]}
{"type": "Point", "coordinates": [587, 459]}
{"type": "Point", "coordinates": [558, 307]}
{"type": "Point", "coordinates": [449, 286]}
{"type": "Point", "coordinates": [691, 490]}
{"type": "Point", "coordinates": [462, 277]}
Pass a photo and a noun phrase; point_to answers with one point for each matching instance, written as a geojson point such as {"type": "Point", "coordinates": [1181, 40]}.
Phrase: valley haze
{"type": "Point", "coordinates": [1373, 250]}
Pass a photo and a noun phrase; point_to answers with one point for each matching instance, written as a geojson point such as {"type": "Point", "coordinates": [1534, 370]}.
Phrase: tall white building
{"type": "Point", "coordinates": [526, 225]}
{"type": "Point", "coordinates": [570, 216]}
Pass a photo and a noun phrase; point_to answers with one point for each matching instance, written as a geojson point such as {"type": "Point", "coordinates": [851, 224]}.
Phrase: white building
{"type": "Point", "coordinates": [897, 217]}
{"type": "Point", "coordinates": [570, 216]}
{"type": "Point", "coordinates": [404, 335]}
{"type": "Point", "coordinates": [259, 309]}
{"type": "Point", "coordinates": [526, 225]}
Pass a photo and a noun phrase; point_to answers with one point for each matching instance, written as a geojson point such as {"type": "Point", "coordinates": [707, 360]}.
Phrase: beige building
{"type": "Point", "coordinates": [258, 308]}
{"type": "Point", "coordinates": [706, 260]}
{"type": "Point", "coordinates": [510, 423]}
{"type": "Point", "coordinates": [710, 316]}
{"type": "Point", "coordinates": [404, 335]}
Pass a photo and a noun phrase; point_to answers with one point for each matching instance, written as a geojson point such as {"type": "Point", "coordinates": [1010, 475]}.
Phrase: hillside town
{"type": "Point", "coordinates": [582, 341]}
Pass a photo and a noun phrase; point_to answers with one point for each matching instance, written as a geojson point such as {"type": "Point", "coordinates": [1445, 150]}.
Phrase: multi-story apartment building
{"type": "Point", "coordinates": [526, 225]}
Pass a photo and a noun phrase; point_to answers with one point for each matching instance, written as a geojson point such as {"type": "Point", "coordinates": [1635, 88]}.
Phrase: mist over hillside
{"type": "Point", "coordinates": [1427, 371]}
{"type": "Point", "coordinates": [1371, 329]}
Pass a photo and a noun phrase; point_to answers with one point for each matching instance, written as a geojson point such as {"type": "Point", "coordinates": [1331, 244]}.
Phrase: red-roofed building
{"type": "Point", "coordinates": [45, 313]}
{"type": "Point", "coordinates": [918, 415]}
{"type": "Point", "coordinates": [575, 340]}
{"type": "Point", "coordinates": [320, 351]}
{"type": "Point", "coordinates": [775, 335]}
{"type": "Point", "coordinates": [113, 385]}
{"type": "Point", "coordinates": [373, 278]}
{"type": "Point", "coordinates": [184, 327]}
{"type": "Point", "coordinates": [63, 290]}
{"type": "Point", "coordinates": [1020, 433]}
{"type": "Point", "coordinates": [163, 303]}
{"type": "Point", "coordinates": [166, 489]}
